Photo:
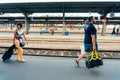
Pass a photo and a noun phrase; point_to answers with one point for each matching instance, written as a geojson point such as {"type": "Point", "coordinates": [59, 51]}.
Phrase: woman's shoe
{"type": "Point", "coordinates": [22, 61]}
{"type": "Point", "coordinates": [17, 59]}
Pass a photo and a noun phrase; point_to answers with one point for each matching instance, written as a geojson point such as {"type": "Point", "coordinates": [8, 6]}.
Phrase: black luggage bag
{"type": "Point", "coordinates": [7, 55]}
{"type": "Point", "coordinates": [93, 60]}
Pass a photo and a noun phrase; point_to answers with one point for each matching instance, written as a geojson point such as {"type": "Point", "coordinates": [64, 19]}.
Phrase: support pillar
{"type": "Point", "coordinates": [103, 28]}
{"type": "Point", "coordinates": [64, 26]}
{"type": "Point", "coordinates": [11, 25]}
{"type": "Point", "coordinates": [26, 24]}
{"type": "Point", "coordinates": [47, 22]}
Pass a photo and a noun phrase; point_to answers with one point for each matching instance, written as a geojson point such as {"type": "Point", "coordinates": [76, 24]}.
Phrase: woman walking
{"type": "Point", "coordinates": [18, 41]}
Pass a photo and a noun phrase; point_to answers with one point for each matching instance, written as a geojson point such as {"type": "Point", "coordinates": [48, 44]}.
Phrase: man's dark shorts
{"type": "Point", "coordinates": [88, 47]}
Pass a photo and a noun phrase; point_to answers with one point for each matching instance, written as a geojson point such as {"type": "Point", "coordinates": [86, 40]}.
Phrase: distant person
{"type": "Point", "coordinates": [18, 33]}
{"type": "Point", "coordinates": [113, 31]}
{"type": "Point", "coordinates": [117, 31]}
{"type": "Point", "coordinates": [52, 30]}
{"type": "Point", "coordinates": [90, 39]}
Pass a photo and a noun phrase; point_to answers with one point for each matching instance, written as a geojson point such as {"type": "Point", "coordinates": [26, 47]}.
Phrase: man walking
{"type": "Point", "coordinates": [90, 39]}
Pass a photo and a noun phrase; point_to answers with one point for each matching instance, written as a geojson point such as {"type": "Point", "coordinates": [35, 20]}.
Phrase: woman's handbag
{"type": "Point", "coordinates": [22, 44]}
{"type": "Point", "coordinates": [93, 60]}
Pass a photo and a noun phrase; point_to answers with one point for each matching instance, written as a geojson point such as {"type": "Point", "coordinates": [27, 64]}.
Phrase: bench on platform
{"type": "Point", "coordinates": [44, 31]}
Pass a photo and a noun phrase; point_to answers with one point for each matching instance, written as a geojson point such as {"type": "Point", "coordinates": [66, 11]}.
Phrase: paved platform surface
{"type": "Point", "coordinates": [57, 68]}
{"type": "Point", "coordinates": [57, 41]}
{"type": "Point", "coordinates": [59, 35]}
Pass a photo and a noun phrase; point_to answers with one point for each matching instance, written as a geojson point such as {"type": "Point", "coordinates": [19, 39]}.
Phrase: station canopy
{"type": "Point", "coordinates": [59, 6]}
{"type": "Point", "coordinates": [56, 8]}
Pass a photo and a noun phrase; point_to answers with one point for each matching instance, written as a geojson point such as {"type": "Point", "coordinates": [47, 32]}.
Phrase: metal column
{"type": "Point", "coordinates": [64, 26]}
{"type": "Point", "coordinates": [26, 24]}
{"type": "Point", "coordinates": [103, 28]}
{"type": "Point", "coordinates": [47, 22]}
{"type": "Point", "coordinates": [11, 25]}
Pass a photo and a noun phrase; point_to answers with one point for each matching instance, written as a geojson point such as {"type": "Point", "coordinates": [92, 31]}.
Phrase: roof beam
{"type": "Point", "coordinates": [112, 8]}
{"type": "Point", "coordinates": [18, 9]}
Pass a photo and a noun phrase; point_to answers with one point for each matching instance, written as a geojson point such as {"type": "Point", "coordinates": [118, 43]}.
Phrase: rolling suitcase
{"type": "Point", "coordinates": [7, 55]}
